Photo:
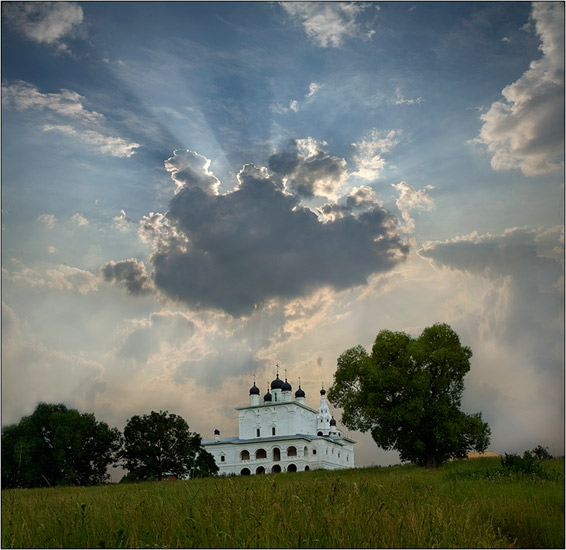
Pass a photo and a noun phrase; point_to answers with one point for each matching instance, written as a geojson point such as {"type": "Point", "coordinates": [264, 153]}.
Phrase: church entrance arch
{"type": "Point", "coordinates": [307, 468]}
{"type": "Point", "coordinates": [276, 469]}
{"type": "Point", "coordinates": [260, 470]}
{"type": "Point", "coordinates": [292, 468]}
{"type": "Point", "coordinates": [245, 472]}
{"type": "Point", "coordinates": [276, 454]}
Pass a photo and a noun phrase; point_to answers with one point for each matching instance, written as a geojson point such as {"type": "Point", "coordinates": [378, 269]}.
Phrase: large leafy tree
{"type": "Point", "coordinates": [408, 392]}
{"type": "Point", "coordinates": [160, 443]}
{"type": "Point", "coordinates": [57, 446]}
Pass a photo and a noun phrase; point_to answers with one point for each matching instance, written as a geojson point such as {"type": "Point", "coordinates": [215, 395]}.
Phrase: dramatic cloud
{"type": "Point", "coordinates": [306, 170]}
{"type": "Point", "coordinates": [189, 169]}
{"type": "Point", "coordinates": [113, 145]}
{"type": "Point", "coordinates": [359, 199]}
{"type": "Point", "coordinates": [44, 22]}
{"type": "Point", "coordinates": [328, 24]}
{"type": "Point", "coordinates": [63, 277]}
{"type": "Point", "coordinates": [69, 106]}
{"type": "Point", "coordinates": [410, 199]}
{"type": "Point", "coordinates": [526, 265]}
{"type": "Point", "coordinates": [24, 96]}
{"type": "Point", "coordinates": [148, 336]}
{"type": "Point", "coordinates": [66, 278]}
{"type": "Point", "coordinates": [129, 272]}
{"type": "Point", "coordinates": [369, 156]}
{"type": "Point", "coordinates": [526, 129]}
{"type": "Point", "coordinates": [59, 378]}
{"type": "Point", "coordinates": [257, 243]}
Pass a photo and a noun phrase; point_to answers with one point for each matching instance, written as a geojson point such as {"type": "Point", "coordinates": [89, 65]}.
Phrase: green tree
{"type": "Point", "coordinates": [160, 443]}
{"type": "Point", "coordinates": [407, 393]}
{"type": "Point", "coordinates": [57, 446]}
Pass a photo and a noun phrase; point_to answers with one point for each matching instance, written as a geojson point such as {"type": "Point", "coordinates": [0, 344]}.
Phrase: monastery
{"type": "Point", "coordinates": [282, 434]}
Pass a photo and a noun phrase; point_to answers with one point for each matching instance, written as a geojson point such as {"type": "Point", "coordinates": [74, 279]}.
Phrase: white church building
{"type": "Point", "coordinates": [282, 434]}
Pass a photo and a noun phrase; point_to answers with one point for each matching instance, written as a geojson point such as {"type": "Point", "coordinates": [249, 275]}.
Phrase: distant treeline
{"type": "Point", "coordinates": [59, 446]}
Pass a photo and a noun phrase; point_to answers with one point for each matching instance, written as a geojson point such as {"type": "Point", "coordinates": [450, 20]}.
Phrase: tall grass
{"type": "Point", "coordinates": [460, 505]}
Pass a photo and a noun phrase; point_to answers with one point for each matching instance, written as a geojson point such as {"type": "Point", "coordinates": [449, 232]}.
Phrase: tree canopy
{"type": "Point", "coordinates": [57, 446]}
{"type": "Point", "coordinates": [159, 444]}
{"type": "Point", "coordinates": [408, 392]}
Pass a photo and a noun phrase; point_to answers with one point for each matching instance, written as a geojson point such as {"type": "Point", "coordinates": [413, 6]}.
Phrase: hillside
{"type": "Point", "coordinates": [463, 504]}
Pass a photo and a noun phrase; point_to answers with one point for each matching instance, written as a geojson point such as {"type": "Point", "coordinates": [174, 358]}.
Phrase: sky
{"type": "Point", "coordinates": [193, 193]}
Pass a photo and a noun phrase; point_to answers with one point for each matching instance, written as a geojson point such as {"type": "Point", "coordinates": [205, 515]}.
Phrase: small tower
{"type": "Point", "coordinates": [276, 388]}
{"type": "Point", "coordinates": [217, 435]}
{"type": "Point", "coordinates": [300, 394]}
{"type": "Point", "coordinates": [333, 428]}
{"type": "Point", "coordinates": [324, 417]}
{"type": "Point", "coordinates": [286, 389]}
{"type": "Point", "coordinates": [267, 396]}
{"type": "Point", "coordinates": [254, 395]}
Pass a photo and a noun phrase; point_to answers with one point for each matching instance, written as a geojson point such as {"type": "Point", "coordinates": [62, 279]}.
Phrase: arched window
{"type": "Point", "coordinates": [292, 468]}
{"type": "Point", "coordinates": [261, 453]}
{"type": "Point", "coordinates": [276, 469]}
{"type": "Point", "coordinates": [319, 433]}
{"type": "Point", "coordinates": [260, 470]}
{"type": "Point", "coordinates": [245, 472]}
{"type": "Point", "coordinates": [276, 454]}
{"type": "Point", "coordinates": [244, 455]}
{"type": "Point", "coordinates": [292, 451]}
{"type": "Point", "coordinates": [306, 451]}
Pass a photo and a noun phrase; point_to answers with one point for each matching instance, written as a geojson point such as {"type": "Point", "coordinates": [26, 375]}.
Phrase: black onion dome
{"type": "Point", "coordinates": [286, 386]}
{"type": "Point", "coordinates": [299, 392]}
{"type": "Point", "coordinates": [333, 422]}
{"type": "Point", "coordinates": [254, 390]}
{"type": "Point", "coordinates": [267, 397]}
{"type": "Point", "coordinates": [276, 384]}
{"type": "Point", "coordinates": [322, 391]}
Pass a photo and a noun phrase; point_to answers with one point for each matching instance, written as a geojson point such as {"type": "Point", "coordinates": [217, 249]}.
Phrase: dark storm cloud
{"type": "Point", "coordinates": [205, 370]}
{"type": "Point", "coordinates": [130, 272]}
{"type": "Point", "coordinates": [307, 169]}
{"type": "Point", "coordinates": [257, 243]}
{"type": "Point", "coordinates": [525, 266]}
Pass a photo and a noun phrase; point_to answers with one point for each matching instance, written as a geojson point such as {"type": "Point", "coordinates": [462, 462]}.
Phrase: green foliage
{"type": "Point", "coordinates": [529, 464]}
{"type": "Point", "coordinates": [161, 443]}
{"type": "Point", "coordinates": [455, 506]}
{"type": "Point", "coordinates": [57, 446]}
{"type": "Point", "coordinates": [407, 393]}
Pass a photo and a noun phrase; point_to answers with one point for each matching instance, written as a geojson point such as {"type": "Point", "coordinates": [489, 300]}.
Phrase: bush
{"type": "Point", "coordinates": [529, 463]}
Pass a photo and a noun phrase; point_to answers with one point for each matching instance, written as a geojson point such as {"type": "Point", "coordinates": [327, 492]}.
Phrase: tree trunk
{"type": "Point", "coordinates": [431, 463]}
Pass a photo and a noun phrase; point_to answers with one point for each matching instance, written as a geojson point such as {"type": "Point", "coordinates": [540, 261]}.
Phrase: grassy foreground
{"type": "Point", "coordinates": [462, 504]}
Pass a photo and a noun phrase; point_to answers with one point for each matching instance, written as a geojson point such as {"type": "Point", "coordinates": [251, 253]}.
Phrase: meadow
{"type": "Point", "coordinates": [467, 503]}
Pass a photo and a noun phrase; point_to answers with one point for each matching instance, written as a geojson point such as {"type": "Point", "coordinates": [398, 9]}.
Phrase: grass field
{"type": "Point", "coordinates": [462, 504]}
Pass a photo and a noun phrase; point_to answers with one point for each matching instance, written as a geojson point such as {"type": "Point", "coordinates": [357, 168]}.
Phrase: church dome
{"type": "Point", "coordinates": [333, 422]}
{"type": "Point", "coordinates": [254, 390]}
{"type": "Point", "coordinates": [276, 384]}
{"type": "Point", "coordinates": [267, 396]}
{"type": "Point", "coordinates": [286, 386]}
{"type": "Point", "coordinates": [299, 392]}
{"type": "Point", "coordinates": [322, 391]}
